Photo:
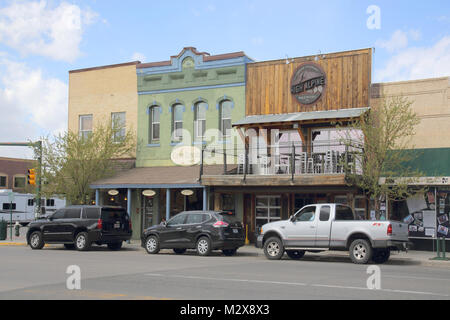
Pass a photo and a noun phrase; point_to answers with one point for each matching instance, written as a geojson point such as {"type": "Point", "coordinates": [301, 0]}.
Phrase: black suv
{"type": "Point", "coordinates": [201, 230]}
{"type": "Point", "coordinates": [80, 226]}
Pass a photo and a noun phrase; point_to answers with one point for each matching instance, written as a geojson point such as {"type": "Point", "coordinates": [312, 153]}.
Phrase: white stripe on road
{"type": "Point", "coordinates": [294, 284]}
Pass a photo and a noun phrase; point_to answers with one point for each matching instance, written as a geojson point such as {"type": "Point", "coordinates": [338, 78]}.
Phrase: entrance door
{"type": "Point", "coordinates": [268, 209]}
{"type": "Point", "coordinates": [147, 206]}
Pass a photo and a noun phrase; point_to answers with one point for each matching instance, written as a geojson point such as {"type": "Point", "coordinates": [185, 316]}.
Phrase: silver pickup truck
{"type": "Point", "coordinates": [332, 226]}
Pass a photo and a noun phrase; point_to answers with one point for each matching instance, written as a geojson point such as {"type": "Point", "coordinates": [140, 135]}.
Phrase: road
{"type": "Point", "coordinates": [133, 274]}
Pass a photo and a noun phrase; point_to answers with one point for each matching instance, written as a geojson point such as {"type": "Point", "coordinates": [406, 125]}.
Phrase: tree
{"type": "Point", "coordinates": [382, 151]}
{"type": "Point", "coordinates": [70, 162]}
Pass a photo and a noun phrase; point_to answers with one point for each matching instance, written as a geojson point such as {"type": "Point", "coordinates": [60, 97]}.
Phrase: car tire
{"type": "Point", "coordinates": [36, 240]}
{"type": "Point", "coordinates": [203, 246]}
{"type": "Point", "coordinates": [360, 251]}
{"type": "Point", "coordinates": [69, 246]}
{"type": "Point", "coordinates": [179, 251]}
{"type": "Point", "coordinates": [273, 248]}
{"type": "Point", "coordinates": [82, 242]}
{"type": "Point", "coordinates": [229, 252]}
{"type": "Point", "coordinates": [115, 246]}
{"type": "Point", "coordinates": [295, 254]}
{"type": "Point", "coordinates": [152, 245]}
{"type": "Point", "coordinates": [381, 255]}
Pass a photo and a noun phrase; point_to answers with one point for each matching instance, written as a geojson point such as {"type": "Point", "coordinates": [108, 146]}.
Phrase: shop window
{"type": "Point", "coordinates": [360, 207]}
{"type": "Point", "coordinates": [341, 199]}
{"type": "Point", "coordinates": [200, 120]}
{"type": "Point", "coordinates": [228, 203]}
{"type": "Point", "coordinates": [268, 209]}
{"type": "Point", "coordinates": [177, 122]}
{"type": "Point", "coordinates": [85, 125]}
{"type": "Point", "coordinates": [154, 127]}
{"type": "Point", "coordinates": [225, 117]}
{"type": "Point", "coordinates": [118, 122]}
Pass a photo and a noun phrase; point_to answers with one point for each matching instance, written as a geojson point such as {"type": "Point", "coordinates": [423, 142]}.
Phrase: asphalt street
{"type": "Point", "coordinates": [133, 274]}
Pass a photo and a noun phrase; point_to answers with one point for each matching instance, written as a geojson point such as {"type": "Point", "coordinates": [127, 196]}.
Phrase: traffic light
{"type": "Point", "coordinates": [31, 177]}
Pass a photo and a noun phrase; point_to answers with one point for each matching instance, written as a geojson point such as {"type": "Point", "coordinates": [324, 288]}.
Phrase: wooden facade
{"type": "Point", "coordinates": [348, 78]}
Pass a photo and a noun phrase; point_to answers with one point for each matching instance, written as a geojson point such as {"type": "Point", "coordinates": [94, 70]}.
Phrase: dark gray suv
{"type": "Point", "coordinates": [80, 226]}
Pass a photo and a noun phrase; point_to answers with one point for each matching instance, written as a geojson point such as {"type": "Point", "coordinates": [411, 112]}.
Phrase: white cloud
{"type": "Point", "coordinates": [33, 27]}
{"type": "Point", "coordinates": [138, 56]}
{"type": "Point", "coordinates": [417, 63]}
{"type": "Point", "coordinates": [398, 40]}
{"type": "Point", "coordinates": [31, 104]}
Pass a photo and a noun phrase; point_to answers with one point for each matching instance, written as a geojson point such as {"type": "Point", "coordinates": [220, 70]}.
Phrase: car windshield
{"type": "Point", "coordinates": [112, 214]}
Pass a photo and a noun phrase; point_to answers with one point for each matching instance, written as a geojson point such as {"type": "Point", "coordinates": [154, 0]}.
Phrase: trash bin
{"type": "Point", "coordinates": [3, 230]}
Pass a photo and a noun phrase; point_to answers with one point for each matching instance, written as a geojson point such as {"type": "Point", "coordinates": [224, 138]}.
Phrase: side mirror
{"type": "Point", "coordinates": [50, 218]}
{"type": "Point", "coordinates": [292, 218]}
{"type": "Point", "coordinates": [164, 224]}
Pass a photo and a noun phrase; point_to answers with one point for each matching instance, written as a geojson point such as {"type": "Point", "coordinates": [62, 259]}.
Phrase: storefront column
{"type": "Point", "coordinates": [167, 204]}
{"type": "Point", "coordinates": [205, 199]}
{"type": "Point", "coordinates": [97, 197]}
{"type": "Point", "coordinates": [129, 202]}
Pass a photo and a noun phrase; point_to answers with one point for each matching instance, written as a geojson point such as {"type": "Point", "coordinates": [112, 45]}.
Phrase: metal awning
{"type": "Point", "coordinates": [319, 116]}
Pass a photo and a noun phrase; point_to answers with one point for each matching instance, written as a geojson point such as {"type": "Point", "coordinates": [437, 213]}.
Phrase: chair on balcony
{"type": "Point", "coordinates": [310, 165]}
{"type": "Point", "coordinates": [301, 163]}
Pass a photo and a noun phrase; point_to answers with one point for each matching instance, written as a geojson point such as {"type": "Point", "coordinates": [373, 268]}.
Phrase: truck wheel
{"type": "Point", "coordinates": [82, 242]}
{"type": "Point", "coordinates": [152, 245]}
{"type": "Point", "coordinates": [360, 251]}
{"type": "Point", "coordinates": [36, 241]}
{"type": "Point", "coordinates": [203, 246]}
{"type": "Point", "coordinates": [381, 255]}
{"type": "Point", "coordinates": [273, 248]}
{"type": "Point", "coordinates": [295, 254]}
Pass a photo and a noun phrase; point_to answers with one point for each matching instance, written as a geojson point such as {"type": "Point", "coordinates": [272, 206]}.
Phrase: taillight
{"type": "Point", "coordinates": [389, 230]}
{"type": "Point", "coordinates": [99, 224]}
{"type": "Point", "coordinates": [220, 224]}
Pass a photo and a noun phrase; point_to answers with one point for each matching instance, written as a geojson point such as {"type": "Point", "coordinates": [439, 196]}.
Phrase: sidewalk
{"type": "Point", "coordinates": [412, 257]}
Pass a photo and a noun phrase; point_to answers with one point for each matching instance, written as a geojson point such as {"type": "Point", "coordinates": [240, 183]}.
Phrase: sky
{"type": "Point", "coordinates": [41, 40]}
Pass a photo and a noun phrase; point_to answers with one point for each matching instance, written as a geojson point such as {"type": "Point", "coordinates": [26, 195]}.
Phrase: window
{"type": "Point", "coordinates": [324, 213]}
{"type": "Point", "coordinates": [178, 219]}
{"type": "Point", "coordinates": [72, 213]}
{"type": "Point", "coordinates": [344, 213]}
{"type": "Point", "coordinates": [118, 123]}
{"type": "Point", "coordinates": [307, 214]}
{"type": "Point", "coordinates": [225, 117]}
{"type": "Point", "coordinates": [177, 122]}
{"type": "Point", "coordinates": [59, 214]}
{"type": "Point", "coordinates": [19, 182]}
{"type": "Point", "coordinates": [85, 125]}
{"type": "Point", "coordinates": [50, 203]}
{"type": "Point", "coordinates": [228, 203]}
{"type": "Point", "coordinates": [360, 207]}
{"type": "Point", "coordinates": [9, 206]}
{"type": "Point", "coordinates": [155, 113]}
{"type": "Point", "coordinates": [3, 181]}
{"type": "Point", "coordinates": [200, 120]}
{"type": "Point", "coordinates": [30, 202]}
{"type": "Point", "coordinates": [195, 218]}
{"type": "Point", "coordinates": [268, 209]}
{"type": "Point", "coordinates": [91, 213]}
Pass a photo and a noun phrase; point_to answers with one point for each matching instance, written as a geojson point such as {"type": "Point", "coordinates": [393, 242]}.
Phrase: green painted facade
{"type": "Point", "coordinates": [187, 80]}
{"type": "Point", "coordinates": [433, 162]}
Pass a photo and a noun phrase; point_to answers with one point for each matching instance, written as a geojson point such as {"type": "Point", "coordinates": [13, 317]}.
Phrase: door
{"type": "Point", "coordinates": [147, 205]}
{"type": "Point", "coordinates": [194, 226]}
{"type": "Point", "coordinates": [51, 231]}
{"type": "Point", "coordinates": [301, 230]}
{"type": "Point", "coordinates": [68, 224]}
{"type": "Point", "coordinates": [324, 227]}
{"type": "Point", "coordinates": [172, 234]}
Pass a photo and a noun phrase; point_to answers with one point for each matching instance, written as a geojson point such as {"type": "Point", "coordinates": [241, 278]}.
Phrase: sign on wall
{"type": "Point", "coordinates": [308, 83]}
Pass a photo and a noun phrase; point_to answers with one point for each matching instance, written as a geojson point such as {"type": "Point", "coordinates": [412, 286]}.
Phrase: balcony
{"type": "Point", "coordinates": [317, 164]}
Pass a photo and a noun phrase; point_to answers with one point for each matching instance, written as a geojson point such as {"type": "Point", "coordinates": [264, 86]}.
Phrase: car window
{"type": "Point", "coordinates": [344, 213]}
{"type": "Point", "coordinates": [178, 219]}
{"type": "Point", "coordinates": [59, 214]}
{"type": "Point", "coordinates": [113, 214]}
{"type": "Point", "coordinates": [73, 213]}
{"type": "Point", "coordinates": [324, 213]}
{"type": "Point", "coordinates": [194, 218]}
{"type": "Point", "coordinates": [228, 217]}
{"type": "Point", "coordinates": [306, 214]}
{"type": "Point", "coordinates": [91, 213]}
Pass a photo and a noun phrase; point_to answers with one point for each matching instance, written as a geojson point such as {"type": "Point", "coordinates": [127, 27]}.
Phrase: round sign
{"type": "Point", "coordinates": [148, 193]}
{"type": "Point", "coordinates": [113, 192]}
{"type": "Point", "coordinates": [308, 83]}
{"type": "Point", "coordinates": [187, 192]}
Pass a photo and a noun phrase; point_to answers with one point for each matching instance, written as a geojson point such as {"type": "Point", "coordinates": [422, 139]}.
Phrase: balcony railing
{"type": "Point", "coordinates": [293, 160]}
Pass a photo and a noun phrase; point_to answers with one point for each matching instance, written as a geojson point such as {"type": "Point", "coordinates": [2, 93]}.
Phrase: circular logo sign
{"type": "Point", "coordinates": [308, 83]}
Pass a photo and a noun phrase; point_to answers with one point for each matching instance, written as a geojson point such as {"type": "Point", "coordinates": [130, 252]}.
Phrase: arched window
{"type": "Point", "coordinates": [225, 117]}
{"type": "Point", "coordinates": [154, 125]}
{"type": "Point", "coordinates": [200, 120]}
{"type": "Point", "coordinates": [177, 122]}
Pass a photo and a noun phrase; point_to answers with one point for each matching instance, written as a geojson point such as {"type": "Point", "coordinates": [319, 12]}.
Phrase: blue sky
{"type": "Point", "coordinates": [40, 41]}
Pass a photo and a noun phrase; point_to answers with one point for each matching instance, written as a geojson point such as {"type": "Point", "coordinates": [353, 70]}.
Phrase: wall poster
{"type": "Point", "coordinates": [422, 215]}
{"type": "Point", "coordinates": [442, 213]}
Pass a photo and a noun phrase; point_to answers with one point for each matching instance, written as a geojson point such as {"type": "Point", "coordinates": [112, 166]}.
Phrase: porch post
{"type": "Point", "coordinates": [97, 197]}
{"type": "Point", "coordinates": [205, 199]}
{"type": "Point", "coordinates": [167, 204]}
{"type": "Point", "coordinates": [129, 202]}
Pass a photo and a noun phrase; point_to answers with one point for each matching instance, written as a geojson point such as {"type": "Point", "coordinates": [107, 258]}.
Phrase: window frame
{"type": "Point", "coordinates": [85, 133]}
{"type": "Point", "coordinates": [197, 120]}
{"type": "Point", "coordinates": [2, 175]}
{"type": "Point", "coordinates": [21, 177]}
{"type": "Point", "coordinates": [302, 211]}
{"type": "Point", "coordinates": [175, 137]}
{"type": "Point", "coordinates": [120, 134]}
{"type": "Point", "coordinates": [221, 118]}
{"type": "Point", "coordinates": [152, 111]}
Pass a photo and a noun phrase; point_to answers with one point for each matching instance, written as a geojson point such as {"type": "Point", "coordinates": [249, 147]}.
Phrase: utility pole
{"type": "Point", "coordinates": [37, 144]}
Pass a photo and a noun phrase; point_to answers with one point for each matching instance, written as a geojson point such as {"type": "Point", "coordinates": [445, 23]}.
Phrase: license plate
{"type": "Point", "coordinates": [235, 230]}
{"type": "Point", "coordinates": [117, 225]}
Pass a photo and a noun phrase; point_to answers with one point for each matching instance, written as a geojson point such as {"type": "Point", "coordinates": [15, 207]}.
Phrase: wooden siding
{"type": "Point", "coordinates": [348, 78]}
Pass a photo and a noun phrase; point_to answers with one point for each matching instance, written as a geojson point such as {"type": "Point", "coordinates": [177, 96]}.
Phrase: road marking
{"type": "Point", "coordinates": [416, 278]}
{"type": "Point", "coordinates": [295, 284]}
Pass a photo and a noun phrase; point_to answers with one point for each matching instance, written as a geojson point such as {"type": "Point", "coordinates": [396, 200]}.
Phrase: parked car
{"type": "Point", "coordinates": [201, 230]}
{"type": "Point", "coordinates": [321, 227]}
{"type": "Point", "coordinates": [80, 226]}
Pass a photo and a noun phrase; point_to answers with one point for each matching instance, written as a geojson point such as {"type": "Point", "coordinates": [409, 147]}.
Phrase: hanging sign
{"type": "Point", "coordinates": [148, 193]}
{"type": "Point", "coordinates": [308, 83]}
